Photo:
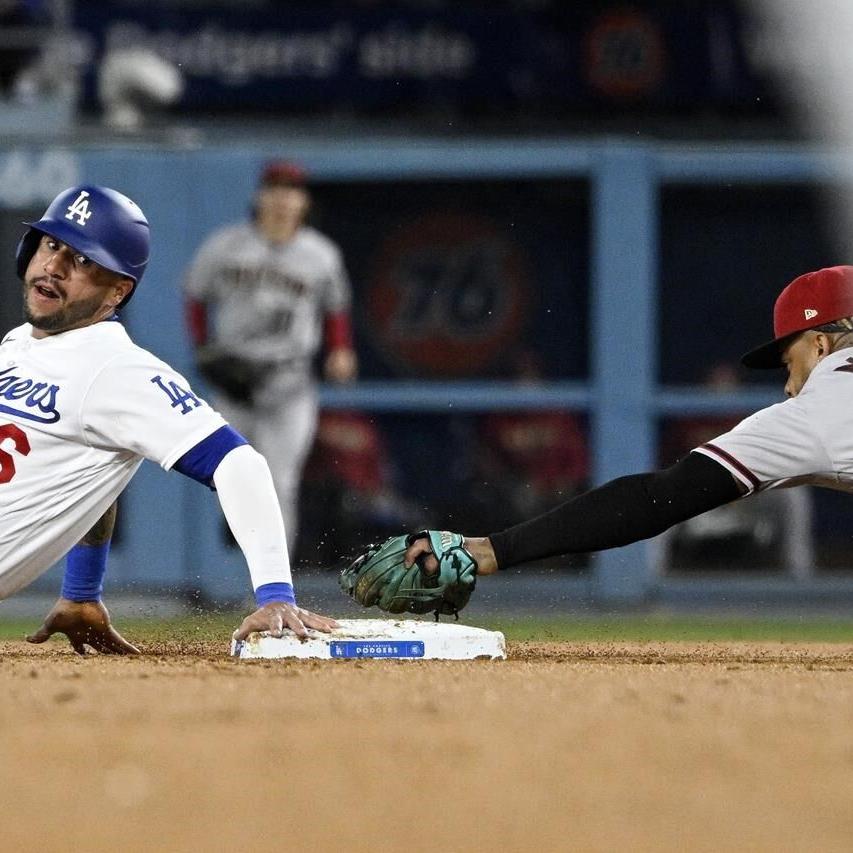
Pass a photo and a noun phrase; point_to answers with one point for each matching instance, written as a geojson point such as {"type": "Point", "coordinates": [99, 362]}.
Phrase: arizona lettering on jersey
{"type": "Point", "coordinates": [79, 411]}
{"type": "Point", "coordinates": [268, 300]}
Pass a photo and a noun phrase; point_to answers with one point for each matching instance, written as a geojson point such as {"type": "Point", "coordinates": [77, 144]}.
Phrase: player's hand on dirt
{"type": "Point", "coordinates": [277, 616]}
{"type": "Point", "coordinates": [85, 623]}
{"type": "Point", "coordinates": [341, 365]}
{"type": "Point", "coordinates": [479, 547]}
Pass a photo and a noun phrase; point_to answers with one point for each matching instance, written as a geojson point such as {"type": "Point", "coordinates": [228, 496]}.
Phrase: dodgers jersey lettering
{"type": "Point", "coordinates": [79, 411]}
{"type": "Point", "coordinates": [269, 299]}
{"type": "Point", "coordinates": [807, 440]}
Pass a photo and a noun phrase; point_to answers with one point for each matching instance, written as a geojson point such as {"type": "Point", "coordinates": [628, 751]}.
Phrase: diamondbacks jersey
{"type": "Point", "coordinates": [78, 413]}
{"type": "Point", "coordinates": [268, 300]}
{"type": "Point", "coordinates": [807, 440]}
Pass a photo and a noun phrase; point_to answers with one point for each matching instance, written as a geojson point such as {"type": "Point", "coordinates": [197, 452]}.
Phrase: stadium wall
{"type": "Point", "coordinates": [187, 191]}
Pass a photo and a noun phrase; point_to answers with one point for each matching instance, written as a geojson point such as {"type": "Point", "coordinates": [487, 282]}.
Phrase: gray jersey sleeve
{"type": "Point", "coordinates": [775, 445]}
{"type": "Point", "coordinates": [337, 294]}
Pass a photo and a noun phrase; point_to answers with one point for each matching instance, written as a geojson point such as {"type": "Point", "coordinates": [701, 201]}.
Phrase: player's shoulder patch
{"type": "Point", "coordinates": [180, 396]}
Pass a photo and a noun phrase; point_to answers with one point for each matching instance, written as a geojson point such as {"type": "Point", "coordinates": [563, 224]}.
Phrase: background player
{"type": "Point", "coordinates": [80, 407]}
{"type": "Point", "coordinates": [261, 296]}
{"type": "Point", "coordinates": [807, 440]}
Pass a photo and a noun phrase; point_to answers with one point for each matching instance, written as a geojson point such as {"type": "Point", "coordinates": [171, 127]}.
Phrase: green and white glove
{"type": "Point", "coordinates": [379, 577]}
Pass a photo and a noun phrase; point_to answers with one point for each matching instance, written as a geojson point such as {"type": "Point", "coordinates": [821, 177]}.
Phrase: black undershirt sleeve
{"type": "Point", "coordinates": [620, 512]}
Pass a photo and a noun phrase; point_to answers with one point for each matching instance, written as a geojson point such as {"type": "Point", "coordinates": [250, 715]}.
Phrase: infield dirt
{"type": "Point", "coordinates": [603, 747]}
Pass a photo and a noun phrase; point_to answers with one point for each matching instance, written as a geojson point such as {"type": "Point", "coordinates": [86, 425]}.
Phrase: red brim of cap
{"type": "Point", "coordinates": [768, 355]}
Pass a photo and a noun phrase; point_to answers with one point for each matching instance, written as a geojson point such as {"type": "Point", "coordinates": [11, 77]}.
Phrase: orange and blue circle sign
{"type": "Point", "coordinates": [624, 54]}
{"type": "Point", "coordinates": [449, 295]}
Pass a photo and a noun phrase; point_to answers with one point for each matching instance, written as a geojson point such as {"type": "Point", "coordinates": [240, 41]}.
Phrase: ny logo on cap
{"type": "Point", "coordinates": [810, 313]}
{"type": "Point", "coordinates": [80, 208]}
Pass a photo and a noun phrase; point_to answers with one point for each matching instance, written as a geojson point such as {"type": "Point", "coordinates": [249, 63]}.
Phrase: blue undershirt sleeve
{"type": "Point", "coordinates": [278, 592]}
{"type": "Point", "coordinates": [201, 461]}
{"type": "Point", "coordinates": [85, 568]}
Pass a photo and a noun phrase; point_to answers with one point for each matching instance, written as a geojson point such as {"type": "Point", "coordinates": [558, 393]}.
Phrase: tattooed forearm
{"type": "Point", "coordinates": [102, 530]}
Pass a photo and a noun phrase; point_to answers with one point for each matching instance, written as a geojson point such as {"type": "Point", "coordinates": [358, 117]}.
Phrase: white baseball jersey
{"type": "Point", "coordinates": [268, 299]}
{"type": "Point", "coordinates": [78, 413]}
{"type": "Point", "coordinates": [807, 440]}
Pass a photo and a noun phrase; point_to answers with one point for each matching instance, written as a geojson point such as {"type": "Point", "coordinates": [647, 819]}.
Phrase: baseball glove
{"type": "Point", "coordinates": [379, 577]}
{"type": "Point", "coordinates": [234, 376]}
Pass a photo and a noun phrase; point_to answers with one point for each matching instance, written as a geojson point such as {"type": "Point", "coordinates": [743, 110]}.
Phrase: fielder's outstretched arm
{"type": "Point", "coordinates": [618, 513]}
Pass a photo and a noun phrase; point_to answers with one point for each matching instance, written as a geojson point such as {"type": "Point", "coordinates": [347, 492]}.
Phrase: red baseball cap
{"type": "Point", "coordinates": [808, 302]}
{"type": "Point", "coordinates": [281, 173]}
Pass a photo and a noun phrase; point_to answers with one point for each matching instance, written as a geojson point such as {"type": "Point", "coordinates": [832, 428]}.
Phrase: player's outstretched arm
{"type": "Point", "coordinates": [246, 493]}
{"type": "Point", "coordinates": [85, 623]}
{"type": "Point", "coordinates": [618, 513]}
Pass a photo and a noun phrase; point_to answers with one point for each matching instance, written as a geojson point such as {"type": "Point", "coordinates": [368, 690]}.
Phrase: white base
{"type": "Point", "coordinates": [379, 638]}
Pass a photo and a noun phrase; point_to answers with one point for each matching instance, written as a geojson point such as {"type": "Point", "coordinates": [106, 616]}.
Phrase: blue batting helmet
{"type": "Point", "coordinates": [100, 223]}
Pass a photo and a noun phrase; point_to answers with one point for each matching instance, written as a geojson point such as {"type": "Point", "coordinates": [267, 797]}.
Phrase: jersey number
{"type": "Point", "coordinates": [22, 445]}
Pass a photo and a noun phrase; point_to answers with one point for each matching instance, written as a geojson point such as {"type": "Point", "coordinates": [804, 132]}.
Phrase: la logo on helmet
{"type": "Point", "coordinates": [80, 208]}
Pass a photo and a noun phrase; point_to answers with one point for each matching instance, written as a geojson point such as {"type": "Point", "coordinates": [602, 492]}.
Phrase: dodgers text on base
{"type": "Point", "coordinates": [379, 638]}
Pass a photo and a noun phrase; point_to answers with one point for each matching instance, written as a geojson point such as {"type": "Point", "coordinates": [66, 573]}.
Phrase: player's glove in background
{"type": "Point", "coordinates": [234, 376]}
{"type": "Point", "coordinates": [379, 576]}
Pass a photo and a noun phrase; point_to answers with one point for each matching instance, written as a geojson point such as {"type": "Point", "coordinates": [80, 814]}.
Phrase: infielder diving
{"type": "Point", "coordinates": [806, 440]}
{"type": "Point", "coordinates": [81, 406]}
